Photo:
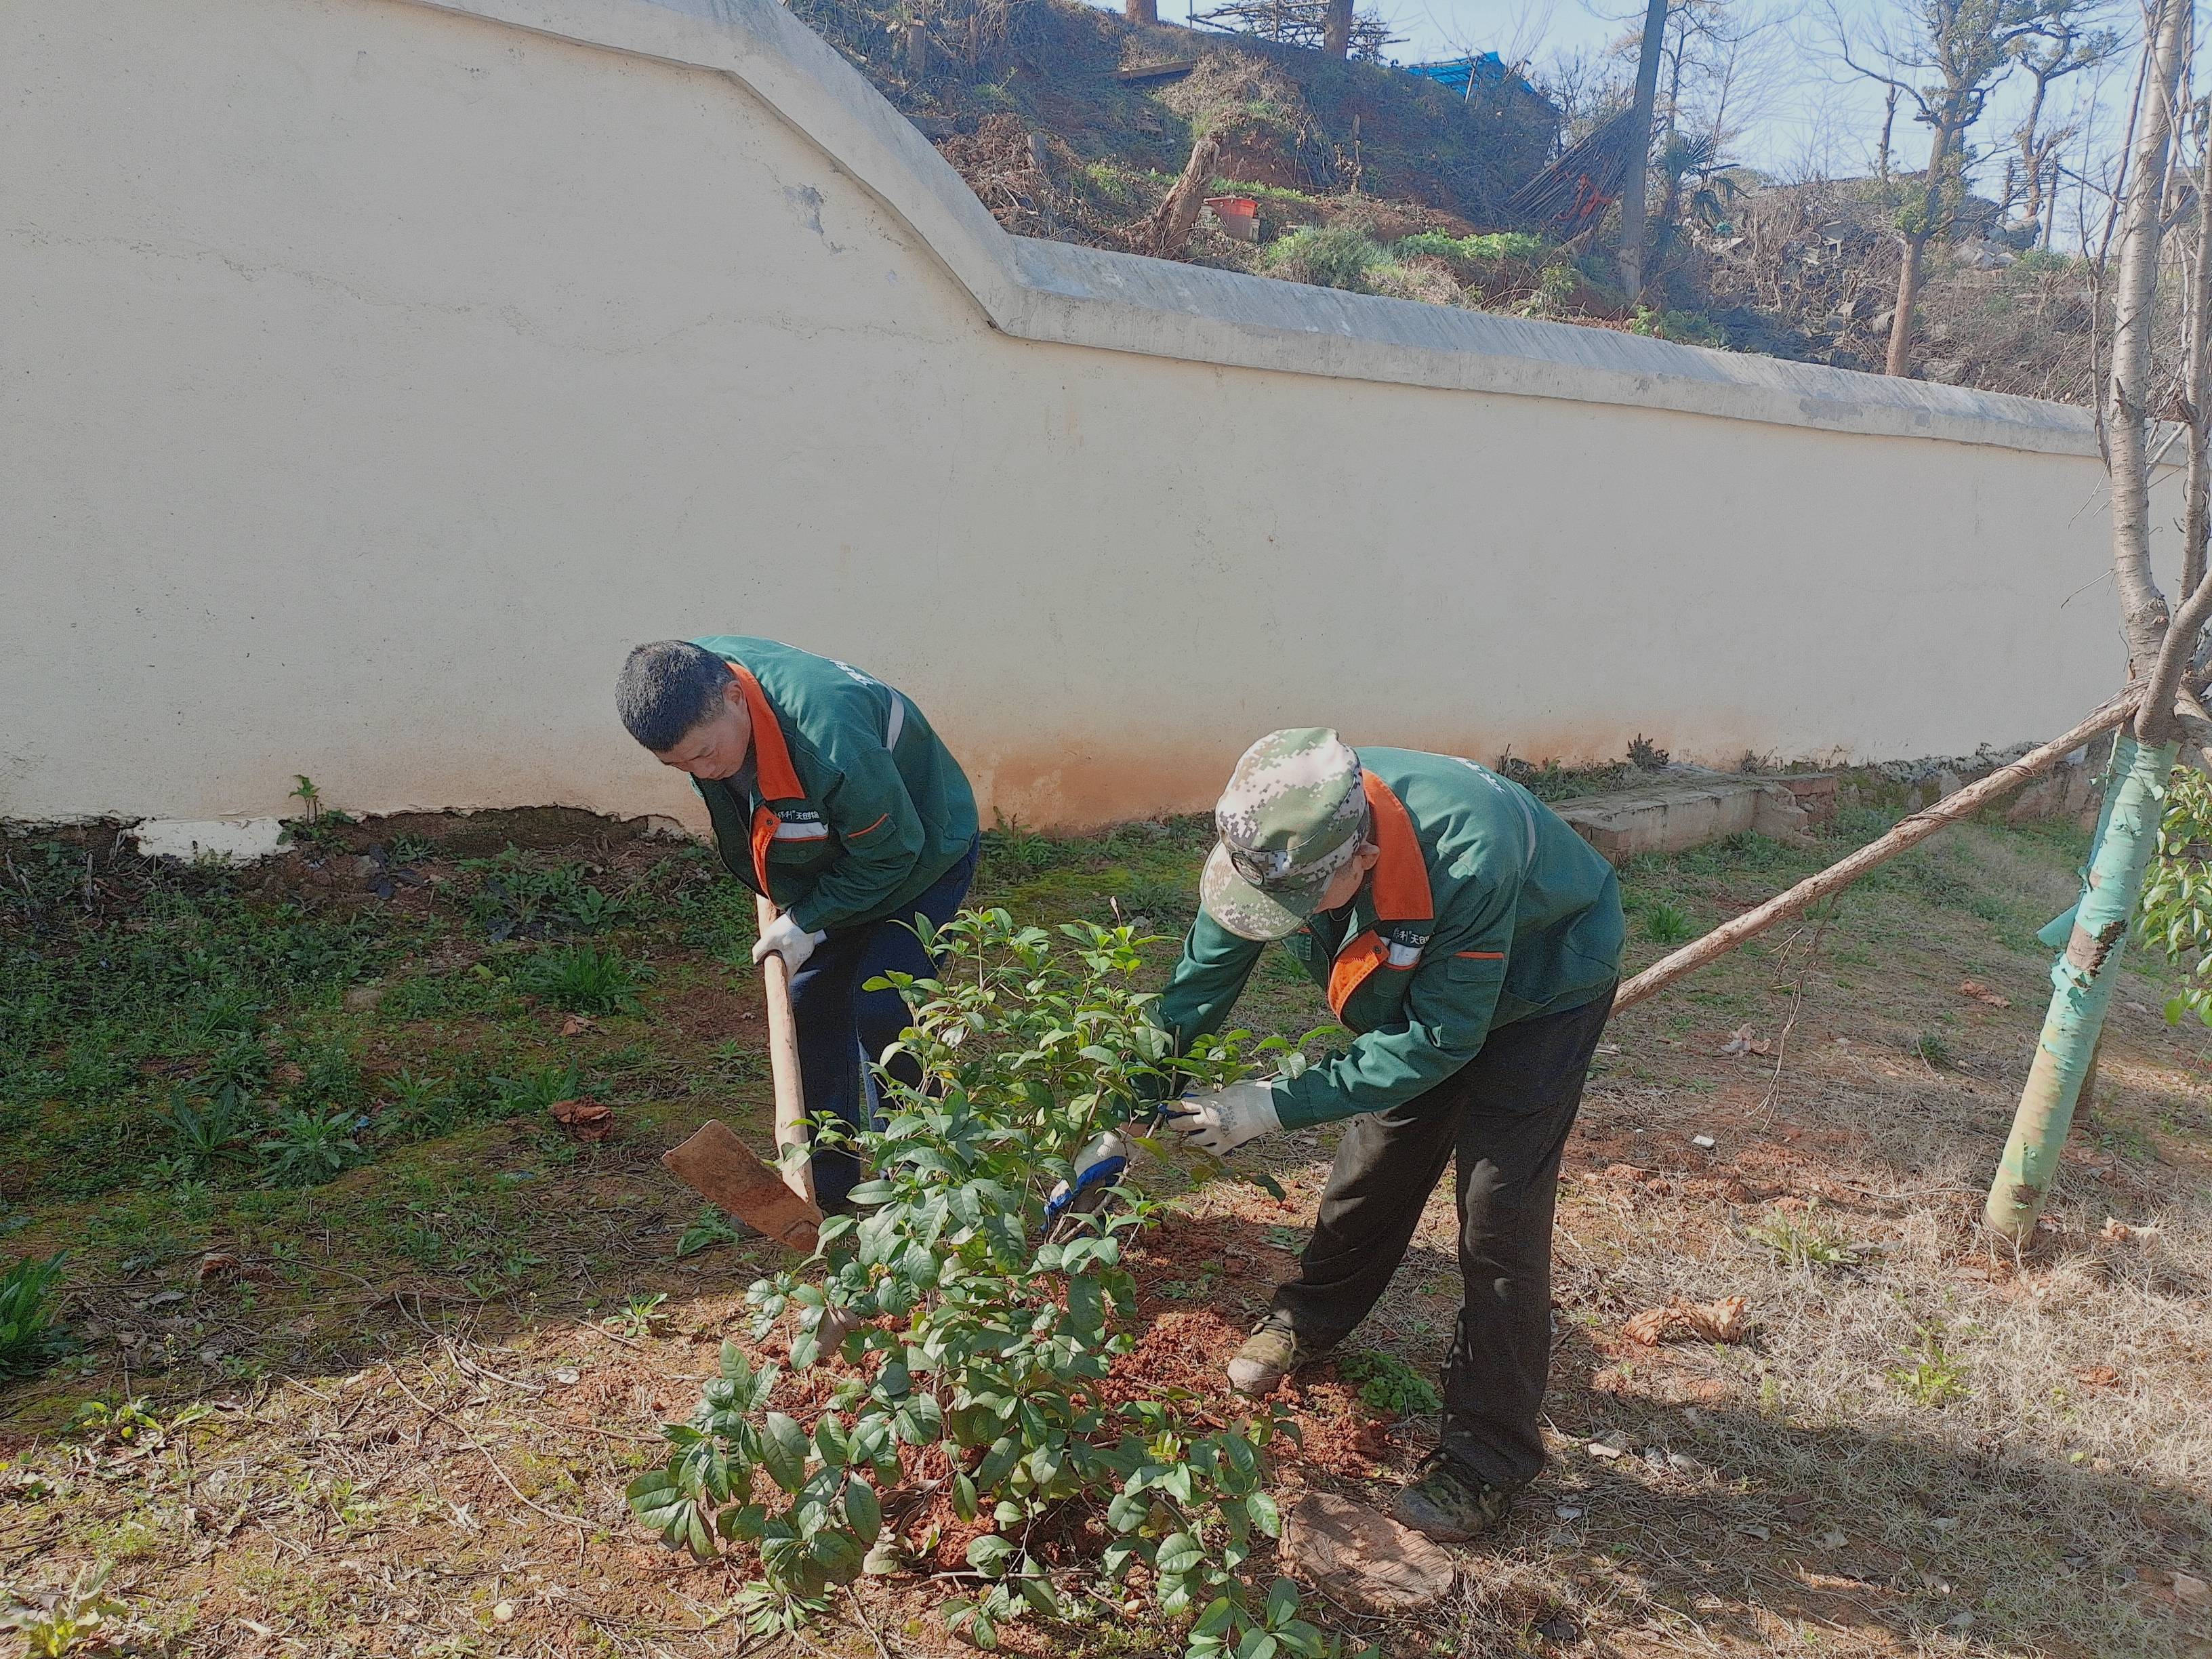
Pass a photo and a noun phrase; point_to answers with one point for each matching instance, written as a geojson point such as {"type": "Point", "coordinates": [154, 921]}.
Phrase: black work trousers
{"type": "Point", "coordinates": [1505, 1116]}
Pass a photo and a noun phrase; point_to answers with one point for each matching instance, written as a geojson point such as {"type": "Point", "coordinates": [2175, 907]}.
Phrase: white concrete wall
{"type": "Point", "coordinates": [374, 373]}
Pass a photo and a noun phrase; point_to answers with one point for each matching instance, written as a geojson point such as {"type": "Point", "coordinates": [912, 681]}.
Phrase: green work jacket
{"type": "Point", "coordinates": [849, 808]}
{"type": "Point", "coordinates": [1484, 908]}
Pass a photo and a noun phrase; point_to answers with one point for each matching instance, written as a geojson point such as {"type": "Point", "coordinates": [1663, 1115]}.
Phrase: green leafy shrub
{"type": "Point", "coordinates": [584, 979]}
{"type": "Point", "coordinates": [1495, 245]}
{"type": "Point", "coordinates": [1327, 256]}
{"type": "Point", "coordinates": [959, 1330]}
{"type": "Point", "coordinates": [1556, 288]}
{"type": "Point", "coordinates": [2175, 915]}
{"type": "Point", "coordinates": [30, 1336]}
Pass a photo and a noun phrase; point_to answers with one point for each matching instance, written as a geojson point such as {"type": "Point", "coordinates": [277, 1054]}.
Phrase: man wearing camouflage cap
{"type": "Point", "coordinates": [1472, 941]}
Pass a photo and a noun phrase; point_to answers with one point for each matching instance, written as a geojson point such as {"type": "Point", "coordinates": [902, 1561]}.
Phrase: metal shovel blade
{"type": "Point", "coordinates": [725, 1171]}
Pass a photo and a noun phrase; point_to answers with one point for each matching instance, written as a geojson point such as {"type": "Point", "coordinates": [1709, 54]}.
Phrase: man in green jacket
{"type": "Point", "coordinates": [830, 794]}
{"type": "Point", "coordinates": [1472, 941]}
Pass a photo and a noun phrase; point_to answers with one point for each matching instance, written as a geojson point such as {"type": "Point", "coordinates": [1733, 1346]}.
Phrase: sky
{"type": "Point", "coordinates": [1807, 112]}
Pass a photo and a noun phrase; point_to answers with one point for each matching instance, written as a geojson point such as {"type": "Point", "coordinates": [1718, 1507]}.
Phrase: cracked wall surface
{"type": "Point", "coordinates": [376, 372]}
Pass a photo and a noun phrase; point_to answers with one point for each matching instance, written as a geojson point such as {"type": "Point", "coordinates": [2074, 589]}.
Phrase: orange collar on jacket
{"type": "Point", "coordinates": [1400, 889]}
{"type": "Point", "coordinates": [772, 770]}
{"type": "Point", "coordinates": [1401, 882]}
{"type": "Point", "coordinates": [771, 755]}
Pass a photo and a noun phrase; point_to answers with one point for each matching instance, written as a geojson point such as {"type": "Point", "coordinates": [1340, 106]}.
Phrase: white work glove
{"type": "Point", "coordinates": [788, 940]}
{"type": "Point", "coordinates": [1219, 1121]}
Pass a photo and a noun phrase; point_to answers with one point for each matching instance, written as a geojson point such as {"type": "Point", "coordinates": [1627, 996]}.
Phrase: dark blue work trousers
{"type": "Point", "coordinates": [843, 1028]}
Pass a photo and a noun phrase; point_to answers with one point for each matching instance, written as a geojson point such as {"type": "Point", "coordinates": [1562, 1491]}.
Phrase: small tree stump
{"type": "Point", "coordinates": [1361, 1557]}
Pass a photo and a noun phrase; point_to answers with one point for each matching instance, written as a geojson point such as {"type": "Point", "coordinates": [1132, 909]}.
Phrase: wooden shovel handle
{"type": "Point", "coordinates": [783, 1064]}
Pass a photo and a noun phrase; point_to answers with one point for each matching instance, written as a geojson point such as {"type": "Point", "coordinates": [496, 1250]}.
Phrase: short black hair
{"type": "Point", "coordinates": [666, 689]}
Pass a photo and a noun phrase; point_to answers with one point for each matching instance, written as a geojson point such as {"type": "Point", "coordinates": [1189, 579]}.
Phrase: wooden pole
{"type": "Point", "coordinates": [783, 1065]}
{"type": "Point", "coordinates": [1907, 835]}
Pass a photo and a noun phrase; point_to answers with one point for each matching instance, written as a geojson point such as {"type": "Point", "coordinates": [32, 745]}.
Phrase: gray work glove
{"type": "Point", "coordinates": [1219, 1121]}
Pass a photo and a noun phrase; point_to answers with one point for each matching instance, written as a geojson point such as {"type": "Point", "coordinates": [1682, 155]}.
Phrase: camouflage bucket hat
{"type": "Point", "coordinates": [1289, 819]}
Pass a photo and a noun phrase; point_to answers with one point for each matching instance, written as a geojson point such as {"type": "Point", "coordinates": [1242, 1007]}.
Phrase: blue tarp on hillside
{"type": "Point", "coordinates": [1459, 73]}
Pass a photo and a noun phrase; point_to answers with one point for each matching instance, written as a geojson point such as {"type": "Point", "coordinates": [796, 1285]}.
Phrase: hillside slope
{"type": "Point", "coordinates": [1369, 178]}
{"type": "Point", "coordinates": [1305, 122]}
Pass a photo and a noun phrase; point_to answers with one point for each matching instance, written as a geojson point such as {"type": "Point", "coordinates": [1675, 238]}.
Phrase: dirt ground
{"type": "Point", "coordinates": [363, 1366]}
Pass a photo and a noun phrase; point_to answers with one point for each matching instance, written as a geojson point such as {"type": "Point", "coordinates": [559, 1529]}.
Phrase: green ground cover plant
{"type": "Point", "coordinates": [1327, 256]}
{"type": "Point", "coordinates": [1388, 1384]}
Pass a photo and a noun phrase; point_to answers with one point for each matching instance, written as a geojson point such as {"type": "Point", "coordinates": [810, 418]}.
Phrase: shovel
{"type": "Point", "coordinates": [725, 1171]}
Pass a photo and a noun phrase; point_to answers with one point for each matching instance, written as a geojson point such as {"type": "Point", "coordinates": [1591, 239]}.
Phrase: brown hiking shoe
{"type": "Point", "coordinates": [1270, 1353]}
{"type": "Point", "coordinates": [1451, 1503]}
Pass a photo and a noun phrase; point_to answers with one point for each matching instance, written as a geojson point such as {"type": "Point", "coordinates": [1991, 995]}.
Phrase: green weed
{"type": "Point", "coordinates": [205, 1134]}
{"type": "Point", "coordinates": [30, 1335]}
{"type": "Point", "coordinates": [531, 1092]}
{"type": "Point", "coordinates": [77, 1621]}
{"type": "Point", "coordinates": [1934, 1051]}
{"type": "Point", "coordinates": [1552, 781]}
{"type": "Point", "coordinates": [1169, 904]}
{"type": "Point", "coordinates": [1931, 1375]}
{"type": "Point", "coordinates": [638, 1316]}
{"type": "Point", "coordinates": [456, 1225]}
{"type": "Point", "coordinates": [1258, 192]}
{"type": "Point", "coordinates": [1666, 924]}
{"type": "Point", "coordinates": [516, 897]}
{"type": "Point", "coordinates": [1683, 327]}
{"type": "Point", "coordinates": [708, 1228]}
{"type": "Point", "coordinates": [1011, 853]}
{"type": "Point", "coordinates": [475, 989]}
{"type": "Point", "coordinates": [584, 979]}
{"type": "Point", "coordinates": [1803, 1242]}
{"type": "Point", "coordinates": [311, 1145]}
{"type": "Point", "coordinates": [416, 1103]}
{"type": "Point", "coordinates": [1387, 1384]}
